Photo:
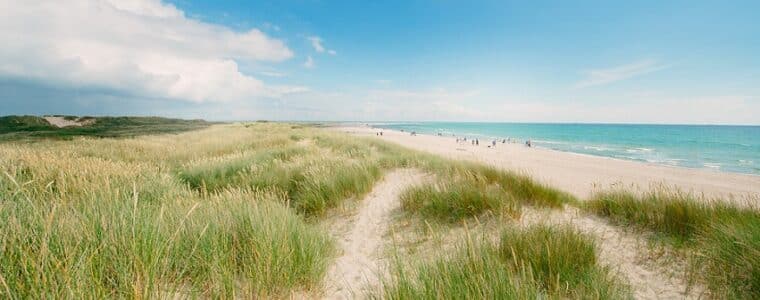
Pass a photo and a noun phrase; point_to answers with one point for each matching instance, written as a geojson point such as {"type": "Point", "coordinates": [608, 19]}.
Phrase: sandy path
{"type": "Point", "coordinates": [361, 265]}
{"type": "Point", "coordinates": [627, 254]}
{"type": "Point", "coordinates": [579, 174]}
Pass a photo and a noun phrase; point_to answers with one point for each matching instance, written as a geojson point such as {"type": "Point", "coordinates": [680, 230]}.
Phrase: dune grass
{"type": "Point", "coordinates": [527, 263]}
{"type": "Point", "coordinates": [522, 187]}
{"type": "Point", "coordinates": [453, 200]}
{"type": "Point", "coordinates": [463, 190]}
{"type": "Point", "coordinates": [227, 211]}
{"type": "Point", "coordinates": [723, 240]}
{"type": "Point", "coordinates": [314, 179]}
{"type": "Point", "coordinates": [109, 219]}
{"type": "Point", "coordinates": [86, 227]}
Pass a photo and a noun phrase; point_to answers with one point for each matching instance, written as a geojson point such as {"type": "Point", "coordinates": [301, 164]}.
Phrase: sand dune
{"type": "Point", "coordinates": [61, 122]}
{"type": "Point", "coordinates": [580, 174]}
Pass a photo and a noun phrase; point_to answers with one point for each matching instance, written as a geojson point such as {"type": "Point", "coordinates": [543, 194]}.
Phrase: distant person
{"type": "Point", "coordinates": [381, 133]}
{"type": "Point", "coordinates": [477, 142]}
{"type": "Point", "coordinates": [504, 141]}
{"type": "Point", "coordinates": [493, 143]}
{"type": "Point", "coordinates": [527, 143]}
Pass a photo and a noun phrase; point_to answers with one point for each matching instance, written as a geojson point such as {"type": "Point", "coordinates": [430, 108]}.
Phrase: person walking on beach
{"type": "Point", "coordinates": [477, 142]}
{"type": "Point", "coordinates": [493, 143]}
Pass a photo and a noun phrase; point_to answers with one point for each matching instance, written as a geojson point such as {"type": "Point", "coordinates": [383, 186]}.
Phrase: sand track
{"type": "Point", "coordinates": [361, 266]}
{"type": "Point", "coordinates": [627, 254]}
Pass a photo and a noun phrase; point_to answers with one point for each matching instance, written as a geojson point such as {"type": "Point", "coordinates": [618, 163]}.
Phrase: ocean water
{"type": "Point", "coordinates": [717, 147]}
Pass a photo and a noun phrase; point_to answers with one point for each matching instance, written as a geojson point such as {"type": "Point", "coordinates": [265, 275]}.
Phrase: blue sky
{"type": "Point", "coordinates": [537, 61]}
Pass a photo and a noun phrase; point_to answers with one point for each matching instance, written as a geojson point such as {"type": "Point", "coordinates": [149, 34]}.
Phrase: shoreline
{"type": "Point", "coordinates": [578, 173]}
{"type": "Point", "coordinates": [615, 151]}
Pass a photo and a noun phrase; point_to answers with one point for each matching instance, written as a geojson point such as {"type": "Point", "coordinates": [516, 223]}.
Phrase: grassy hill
{"type": "Point", "coordinates": [32, 127]}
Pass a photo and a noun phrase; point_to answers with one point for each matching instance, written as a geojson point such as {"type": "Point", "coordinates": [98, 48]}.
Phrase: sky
{"type": "Point", "coordinates": [682, 62]}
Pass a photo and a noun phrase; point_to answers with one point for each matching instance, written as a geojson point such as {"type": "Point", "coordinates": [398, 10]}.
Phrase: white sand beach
{"type": "Point", "coordinates": [579, 174]}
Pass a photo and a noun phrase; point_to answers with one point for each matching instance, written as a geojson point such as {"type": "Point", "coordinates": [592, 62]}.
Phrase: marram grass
{"type": "Point", "coordinates": [526, 263]}
{"type": "Point", "coordinates": [722, 240]}
{"type": "Point", "coordinates": [452, 200]}
{"type": "Point", "coordinates": [227, 211]}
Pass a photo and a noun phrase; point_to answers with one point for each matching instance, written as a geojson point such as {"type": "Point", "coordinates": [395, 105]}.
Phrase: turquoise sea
{"type": "Point", "coordinates": [718, 147]}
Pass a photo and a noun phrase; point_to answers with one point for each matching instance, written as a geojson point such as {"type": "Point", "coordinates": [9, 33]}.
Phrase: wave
{"type": "Point", "coordinates": [639, 150]}
{"type": "Point", "coordinates": [550, 142]}
{"type": "Point", "coordinates": [598, 148]}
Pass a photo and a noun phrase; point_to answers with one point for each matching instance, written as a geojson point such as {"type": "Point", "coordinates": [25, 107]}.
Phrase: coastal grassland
{"type": "Point", "coordinates": [319, 169]}
{"type": "Point", "coordinates": [77, 226]}
{"type": "Point", "coordinates": [31, 128]}
{"type": "Point", "coordinates": [525, 263]}
{"type": "Point", "coordinates": [462, 190]}
{"type": "Point", "coordinates": [456, 199]}
{"type": "Point", "coordinates": [722, 241]}
{"type": "Point", "coordinates": [231, 210]}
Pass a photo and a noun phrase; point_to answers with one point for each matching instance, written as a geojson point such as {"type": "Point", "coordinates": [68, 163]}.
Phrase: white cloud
{"type": "Point", "coordinates": [309, 63]}
{"type": "Point", "coordinates": [144, 47]}
{"type": "Point", "coordinates": [617, 73]}
{"type": "Point", "coordinates": [272, 74]}
{"type": "Point", "coordinates": [316, 43]}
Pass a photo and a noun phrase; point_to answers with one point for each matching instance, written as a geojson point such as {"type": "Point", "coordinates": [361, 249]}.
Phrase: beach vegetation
{"type": "Point", "coordinates": [84, 227]}
{"type": "Point", "coordinates": [237, 211]}
{"type": "Point", "coordinates": [525, 263]}
{"type": "Point", "coordinates": [722, 240]}
{"type": "Point", "coordinates": [452, 200]}
{"type": "Point", "coordinates": [32, 128]}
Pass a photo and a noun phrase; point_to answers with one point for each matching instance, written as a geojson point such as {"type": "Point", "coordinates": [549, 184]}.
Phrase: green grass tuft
{"type": "Point", "coordinates": [561, 260]}
{"type": "Point", "coordinates": [531, 263]}
{"type": "Point", "coordinates": [722, 239]}
{"type": "Point", "coordinates": [728, 258]}
{"type": "Point", "coordinates": [453, 200]}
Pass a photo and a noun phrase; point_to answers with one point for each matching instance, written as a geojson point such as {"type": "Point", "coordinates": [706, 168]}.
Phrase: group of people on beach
{"type": "Point", "coordinates": [474, 141]}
